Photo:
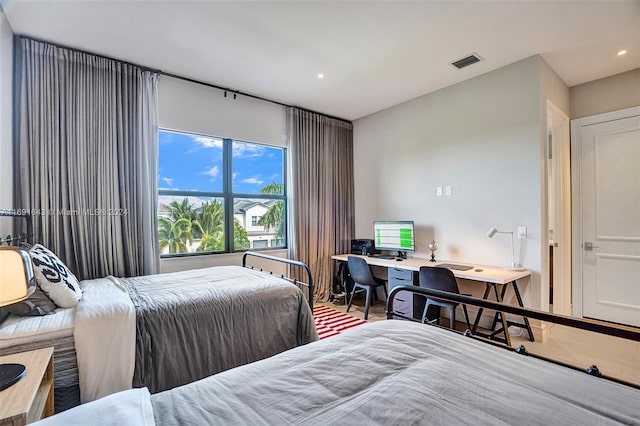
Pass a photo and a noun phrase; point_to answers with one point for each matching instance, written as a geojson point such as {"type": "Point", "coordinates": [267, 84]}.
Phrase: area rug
{"type": "Point", "coordinates": [330, 322]}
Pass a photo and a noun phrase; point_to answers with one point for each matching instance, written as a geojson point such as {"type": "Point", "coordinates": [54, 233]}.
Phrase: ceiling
{"type": "Point", "coordinates": [373, 54]}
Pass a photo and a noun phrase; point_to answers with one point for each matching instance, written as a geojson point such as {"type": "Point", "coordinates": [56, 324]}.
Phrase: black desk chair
{"type": "Point", "coordinates": [363, 280]}
{"type": "Point", "coordinates": [441, 279]}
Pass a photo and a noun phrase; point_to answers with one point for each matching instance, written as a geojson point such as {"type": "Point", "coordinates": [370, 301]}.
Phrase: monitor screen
{"type": "Point", "coordinates": [394, 235]}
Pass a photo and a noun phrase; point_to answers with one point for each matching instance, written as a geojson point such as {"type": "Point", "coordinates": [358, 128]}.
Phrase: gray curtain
{"type": "Point", "coordinates": [322, 195]}
{"type": "Point", "coordinates": [86, 146]}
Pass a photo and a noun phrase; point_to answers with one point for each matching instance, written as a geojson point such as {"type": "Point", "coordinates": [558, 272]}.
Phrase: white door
{"type": "Point", "coordinates": [610, 220]}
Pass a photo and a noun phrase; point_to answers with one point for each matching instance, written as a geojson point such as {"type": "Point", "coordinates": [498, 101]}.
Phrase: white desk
{"type": "Point", "coordinates": [491, 276]}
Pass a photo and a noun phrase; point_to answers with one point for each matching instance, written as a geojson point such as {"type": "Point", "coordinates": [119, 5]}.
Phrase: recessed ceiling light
{"type": "Point", "coordinates": [320, 76]}
{"type": "Point", "coordinates": [622, 52]}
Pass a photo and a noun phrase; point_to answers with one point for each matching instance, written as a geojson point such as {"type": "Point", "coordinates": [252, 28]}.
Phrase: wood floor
{"type": "Point", "coordinates": [618, 358]}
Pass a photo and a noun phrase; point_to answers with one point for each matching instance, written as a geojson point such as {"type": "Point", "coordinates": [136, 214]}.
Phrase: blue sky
{"type": "Point", "coordinates": [191, 162]}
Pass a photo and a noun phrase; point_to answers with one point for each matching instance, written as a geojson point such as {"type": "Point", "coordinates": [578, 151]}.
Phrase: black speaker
{"type": "Point", "coordinates": [362, 247]}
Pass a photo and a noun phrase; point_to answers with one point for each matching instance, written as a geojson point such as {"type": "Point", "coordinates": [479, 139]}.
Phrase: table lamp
{"type": "Point", "coordinates": [433, 246]}
{"type": "Point", "coordinates": [17, 282]}
{"type": "Point", "coordinates": [514, 266]}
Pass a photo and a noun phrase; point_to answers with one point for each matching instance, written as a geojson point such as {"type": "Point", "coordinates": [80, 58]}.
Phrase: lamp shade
{"type": "Point", "coordinates": [17, 281]}
{"type": "Point", "coordinates": [491, 232]}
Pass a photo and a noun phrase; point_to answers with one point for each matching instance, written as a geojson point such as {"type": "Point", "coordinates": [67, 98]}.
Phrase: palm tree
{"type": "Point", "coordinates": [210, 226]}
{"type": "Point", "coordinates": [174, 234]}
{"type": "Point", "coordinates": [240, 239]}
{"type": "Point", "coordinates": [185, 224]}
{"type": "Point", "coordinates": [274, 217]}
{"type": "Point", "coordinates": [178, 210]}
{"type": "Point", "coordinates": [178, 229]}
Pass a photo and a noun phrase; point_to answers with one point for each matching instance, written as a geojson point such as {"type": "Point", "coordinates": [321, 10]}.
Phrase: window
{"type": "Point", "coordinates": [260, 243]}
{"type": "Point", "coordinates": [218, 195]}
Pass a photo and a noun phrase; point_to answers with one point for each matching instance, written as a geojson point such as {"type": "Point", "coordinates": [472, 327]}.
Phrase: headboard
{"type": "Point", "coordinates": [22, 229]}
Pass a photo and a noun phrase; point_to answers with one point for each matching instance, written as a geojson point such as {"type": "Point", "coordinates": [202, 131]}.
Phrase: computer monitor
{"type": "Point", "coordinates": [394, 235]}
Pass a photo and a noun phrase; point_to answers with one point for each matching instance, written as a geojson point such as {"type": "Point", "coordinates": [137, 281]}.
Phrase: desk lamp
{"type": "Point", "coordinates": [433, 246]}
{"type": "Point", "coordinates": [17, 282]}
{"type": "Point", "coordinates": [514, 266]}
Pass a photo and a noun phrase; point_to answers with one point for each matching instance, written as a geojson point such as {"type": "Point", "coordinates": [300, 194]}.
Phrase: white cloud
{"type": "Point", "coordinates": [168, 181]}
{"type": "Point", "coordinates": [252, 180]}
{"type": "Point", "coordinates": [213, 172]}
{"type": "Point", "coordinates": [206, 142]}
{"type": "Point", "coordinates": [247, 150]}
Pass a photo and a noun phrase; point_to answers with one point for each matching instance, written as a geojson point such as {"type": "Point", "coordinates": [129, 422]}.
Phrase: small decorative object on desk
{"type": "Point", "coordinates": [433, 246]}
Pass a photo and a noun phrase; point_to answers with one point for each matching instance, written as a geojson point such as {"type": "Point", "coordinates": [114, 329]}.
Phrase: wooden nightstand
{"type": "Point", "coordinates": [31, 398]}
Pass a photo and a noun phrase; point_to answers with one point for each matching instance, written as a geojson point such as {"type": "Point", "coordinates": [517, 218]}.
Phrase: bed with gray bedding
{"type": "Point", "coordinates": [193, 324]}
{"type": "Point", "coordinates": [395, 372]}
{"type": "Point", "coordinates": [383, 373]}
{"type": "Point", "coordinates": [187, 325]}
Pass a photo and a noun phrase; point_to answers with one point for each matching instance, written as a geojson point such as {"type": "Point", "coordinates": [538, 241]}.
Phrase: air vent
{"type": "Point", "coordinates": [466, 61]}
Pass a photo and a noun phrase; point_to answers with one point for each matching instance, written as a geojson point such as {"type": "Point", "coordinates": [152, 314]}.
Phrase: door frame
{"type": "Point", "coordinates": [558, 127]}
{"type": "Point", "coordinates": [576, 169]}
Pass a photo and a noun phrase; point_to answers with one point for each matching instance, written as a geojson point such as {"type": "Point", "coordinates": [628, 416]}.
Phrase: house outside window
{"type": "Point", "coordinates": [260, 244]}
{"type": "Point", "coordinates": [219, 195]}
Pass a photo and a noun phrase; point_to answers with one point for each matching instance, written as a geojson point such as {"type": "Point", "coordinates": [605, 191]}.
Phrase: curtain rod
{"type": "Point", "coordinates": [73, 49]}
{"type": "Point", "coordinates": [191, 80]}
{"type": "Point", "coordinates": [227, 89]}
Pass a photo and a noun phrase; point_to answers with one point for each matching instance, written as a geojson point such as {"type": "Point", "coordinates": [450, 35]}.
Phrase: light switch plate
{"type": "Point", "coordinates": [447, 190]}
{"type": "Point", "coordinates": [439, 191]}
{"type": "Point", "coordinates": [522, 232]}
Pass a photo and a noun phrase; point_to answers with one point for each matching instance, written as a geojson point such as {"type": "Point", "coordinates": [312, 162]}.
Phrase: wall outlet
{"type": "Point", "coordinates": [439, 191]}
{"type": "Point", "coordinates": [447, 190]}
{"type": "Point", "coordinates": [522, 232]}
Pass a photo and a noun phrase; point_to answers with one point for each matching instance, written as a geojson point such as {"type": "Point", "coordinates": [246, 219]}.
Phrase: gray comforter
{"type": "Point", "coordinates": [192, 324]}
{"type": "Point", "coordinates": [395, 372]}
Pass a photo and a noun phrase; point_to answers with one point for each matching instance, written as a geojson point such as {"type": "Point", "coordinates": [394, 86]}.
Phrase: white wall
{"type": "Point", "coordinates": [197, 108]}
{"type": "Point", "coordinates": [553, 88]}
{"type": "Point", "coordinates": [608, 94]}
{"type": "Point", "coordinates": [202, 109]}
{"type": "Point", "coordinates": [6, 120]}
{"type": "Point", "coordinates": [175, 264]}
{"type": "Point", "coordinates": [482, 137]}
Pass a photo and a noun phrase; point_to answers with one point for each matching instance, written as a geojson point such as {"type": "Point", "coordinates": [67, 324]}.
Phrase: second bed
{"type": "Point", "coordinates": [162, 331]}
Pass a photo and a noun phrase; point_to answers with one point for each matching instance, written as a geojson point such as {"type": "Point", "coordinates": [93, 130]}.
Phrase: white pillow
{"type": "Point", "coordinates": [54, 278]}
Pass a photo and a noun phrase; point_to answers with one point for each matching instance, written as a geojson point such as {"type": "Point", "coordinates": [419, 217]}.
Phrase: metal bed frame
{"type": "Point", "coordinates": [309, 280]}
{"type": "Point", "coordinates": [25, 237]}
{"type": "Point", "coordinates": [583, 324]}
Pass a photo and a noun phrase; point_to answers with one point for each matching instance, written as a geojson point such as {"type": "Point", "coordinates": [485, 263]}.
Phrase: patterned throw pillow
{"type": "Point", "coordinates": [54, 278]}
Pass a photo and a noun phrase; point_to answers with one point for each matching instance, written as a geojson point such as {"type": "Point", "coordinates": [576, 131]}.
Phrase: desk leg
{"type": "Point", "coordinates": [499, 298]}
{"type": "Point", "coordinates": [339, 277]}
{"type": "Point", "coordinates": [503, 319]}
{"type": "Point", "coordinates": [526, 325]}
{"type": "Point", "coordinates": [481, 310]}
{"type": "Point", "coordinates": [526, 320]}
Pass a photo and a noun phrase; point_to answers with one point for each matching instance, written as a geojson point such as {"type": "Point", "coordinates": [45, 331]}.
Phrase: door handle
{"type": "Point", "coordinates": [588, 245]}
